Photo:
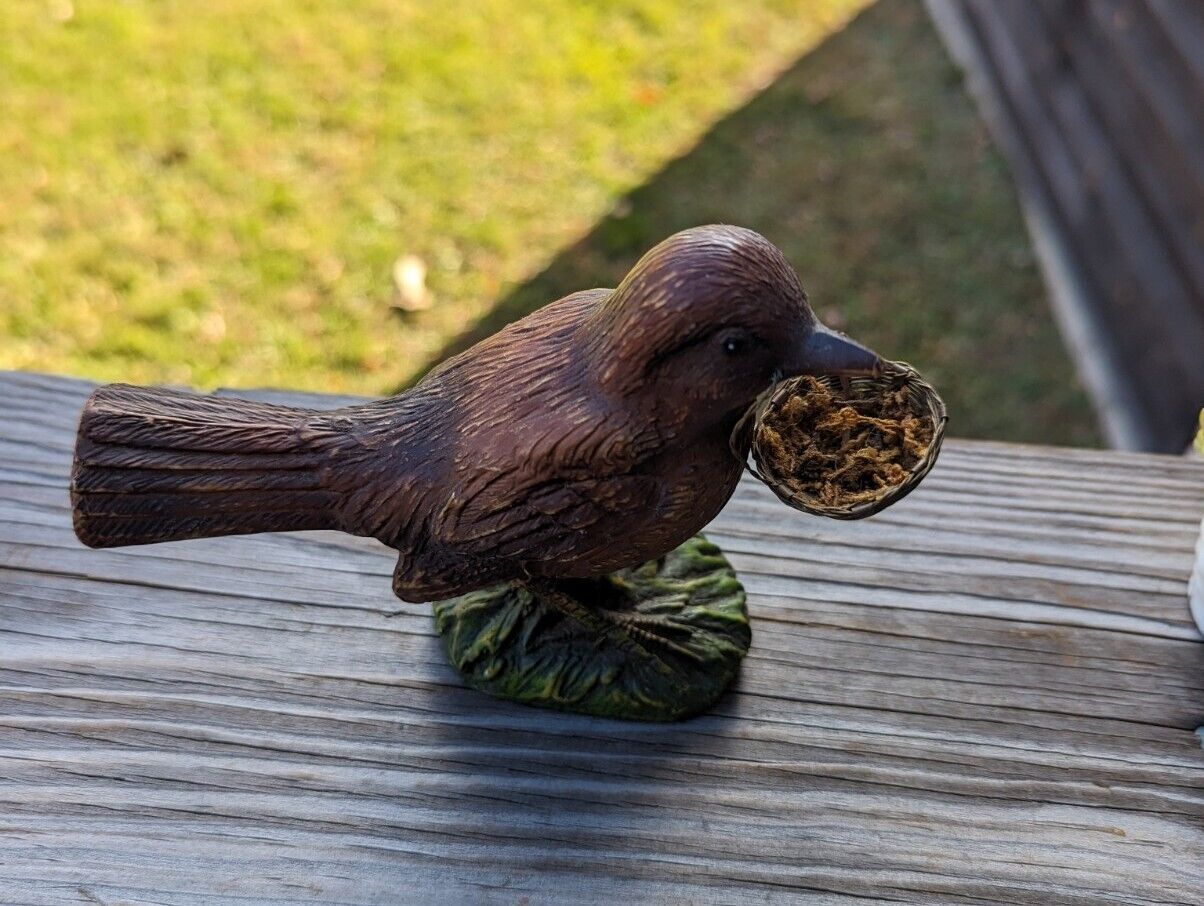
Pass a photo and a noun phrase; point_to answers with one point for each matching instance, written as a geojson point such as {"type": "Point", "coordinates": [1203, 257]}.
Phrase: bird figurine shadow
{"type": "Point", "coordinates": [545, 487]}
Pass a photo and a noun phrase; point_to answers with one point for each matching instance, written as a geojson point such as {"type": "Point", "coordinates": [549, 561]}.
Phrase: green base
{"type": "Point", "coordinates": [674, 663]}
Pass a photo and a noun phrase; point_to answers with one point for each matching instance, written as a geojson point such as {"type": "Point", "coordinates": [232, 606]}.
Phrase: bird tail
{"type": "Point", "coordinates": [163, 465]}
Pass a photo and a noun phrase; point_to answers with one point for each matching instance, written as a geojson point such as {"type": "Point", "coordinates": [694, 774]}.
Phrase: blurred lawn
{"type": "Point", "coordinates": [866, 164]}
{"type": "Point", "coordinates": [216, 193]}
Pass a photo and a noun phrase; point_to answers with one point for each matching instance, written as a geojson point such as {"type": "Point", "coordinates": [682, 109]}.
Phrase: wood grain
{"type": "Point", "coordinates": [986, 693]}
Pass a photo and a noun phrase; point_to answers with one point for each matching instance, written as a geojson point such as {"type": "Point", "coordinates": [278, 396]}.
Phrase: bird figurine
{"type": "Point", "coordinates": [587, 437]}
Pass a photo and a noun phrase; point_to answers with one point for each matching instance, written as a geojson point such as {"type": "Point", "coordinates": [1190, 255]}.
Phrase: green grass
{"type": "Point", "coordinates": [215, 193]}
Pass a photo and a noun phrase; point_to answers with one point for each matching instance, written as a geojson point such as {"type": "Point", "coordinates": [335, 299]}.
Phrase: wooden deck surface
{"type": "Point", "coordinates": [987, 693]}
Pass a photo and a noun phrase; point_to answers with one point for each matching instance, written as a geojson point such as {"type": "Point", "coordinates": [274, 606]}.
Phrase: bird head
{"type": "Point", "coordinates": [712, 316]}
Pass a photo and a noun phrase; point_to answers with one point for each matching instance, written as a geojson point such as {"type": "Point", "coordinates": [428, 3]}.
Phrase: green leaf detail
{"type": "Point", "coordinates": [693, 633]}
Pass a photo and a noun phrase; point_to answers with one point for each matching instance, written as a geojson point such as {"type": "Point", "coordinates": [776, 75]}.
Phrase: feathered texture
{"type": "Point", "coordinates": [163, 465]}
{"type": "Point", "coordinates": [589, 436]}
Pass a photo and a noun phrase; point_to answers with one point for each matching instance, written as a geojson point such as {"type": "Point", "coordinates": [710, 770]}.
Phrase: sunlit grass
{"type": "Point", "coordinates": [866, 164]}
{"type": "Point", "coordinates": [215, 193]}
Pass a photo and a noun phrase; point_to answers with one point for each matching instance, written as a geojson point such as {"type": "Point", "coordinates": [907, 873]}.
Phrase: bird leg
{"type": "Point", "coordinates": [612, 615]}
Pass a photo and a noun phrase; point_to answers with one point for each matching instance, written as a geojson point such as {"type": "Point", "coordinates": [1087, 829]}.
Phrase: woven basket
{"type": "Point", "coordinates": [896, 375]}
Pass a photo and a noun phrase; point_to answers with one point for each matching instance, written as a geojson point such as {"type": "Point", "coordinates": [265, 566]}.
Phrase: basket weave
{"type": "Point", "coordinates": [922, 397]}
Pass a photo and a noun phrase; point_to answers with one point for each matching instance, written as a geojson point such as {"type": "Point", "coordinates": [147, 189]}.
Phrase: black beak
{"type": "Point", "coordinates": [827, 352]}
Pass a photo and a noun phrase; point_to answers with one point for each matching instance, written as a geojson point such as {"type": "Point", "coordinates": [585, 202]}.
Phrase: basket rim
{"type": "Point", "coordinates": [743, 440]}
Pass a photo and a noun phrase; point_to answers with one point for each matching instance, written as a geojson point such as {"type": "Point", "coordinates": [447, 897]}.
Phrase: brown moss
{"type": "Point", "coordinates": [840, 448]}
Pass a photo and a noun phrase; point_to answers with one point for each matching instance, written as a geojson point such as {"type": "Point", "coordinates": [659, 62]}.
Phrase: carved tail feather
{"type": "Point", "coordinates": [163, 465]}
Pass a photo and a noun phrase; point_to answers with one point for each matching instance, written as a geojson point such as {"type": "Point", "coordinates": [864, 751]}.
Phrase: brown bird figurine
{"type": "Point", "coordinates": [589, 436]}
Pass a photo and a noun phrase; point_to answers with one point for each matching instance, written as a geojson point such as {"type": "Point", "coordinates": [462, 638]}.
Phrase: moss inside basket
{"type": "Point", "coordinates": [836, 447]}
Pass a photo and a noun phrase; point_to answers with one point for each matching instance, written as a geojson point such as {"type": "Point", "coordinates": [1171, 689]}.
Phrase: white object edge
{"type": "Point", "coordinates": [1195, 585]}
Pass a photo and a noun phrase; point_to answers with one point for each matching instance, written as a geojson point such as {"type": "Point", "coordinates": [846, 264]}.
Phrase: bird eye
{"type": "Point", "coordinates": [733, 346]}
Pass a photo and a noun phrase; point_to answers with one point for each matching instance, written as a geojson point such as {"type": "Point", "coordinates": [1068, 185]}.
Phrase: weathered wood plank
{"type": "Point", "coordinates": [986, 693]}
{"type": "Point", "coordinates": [1169, 172]}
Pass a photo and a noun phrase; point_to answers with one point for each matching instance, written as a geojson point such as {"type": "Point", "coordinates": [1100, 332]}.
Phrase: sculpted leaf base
{"type": "Point", "coordinates": [661, 641]}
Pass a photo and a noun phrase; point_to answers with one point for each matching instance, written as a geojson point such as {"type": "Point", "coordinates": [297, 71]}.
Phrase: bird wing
{"type": "Point", "coordinates": [548, 505]}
